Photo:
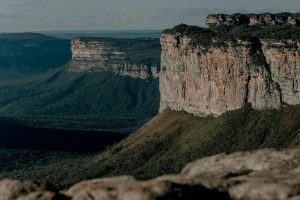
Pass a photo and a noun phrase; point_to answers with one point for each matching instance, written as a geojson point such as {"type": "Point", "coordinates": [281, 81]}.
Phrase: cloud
{"type": "Point", "coordinates": [23, 3]}
{"type": "Point", "coordinates": [12, 16]}
{"type": "Point", "coordinates": [124, 14]}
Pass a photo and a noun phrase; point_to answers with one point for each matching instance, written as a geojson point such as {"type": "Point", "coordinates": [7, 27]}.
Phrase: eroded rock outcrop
{"type": "Point", "coordinates": [211, 71]}
{"type": "Point", "coordinates": [260, 175]}
{"type": "Point", "coordinates": [18, 190]}
{"type": "Point", "coordinates": [121, 56]}
{"type": "Point", "coordinates": [253, 19]}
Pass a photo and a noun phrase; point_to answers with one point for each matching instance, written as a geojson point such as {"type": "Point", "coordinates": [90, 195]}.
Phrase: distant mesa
{"type": "Point", "coordinates": [137, 58]}
{"type": "Point", "coordinates": [253, 19]}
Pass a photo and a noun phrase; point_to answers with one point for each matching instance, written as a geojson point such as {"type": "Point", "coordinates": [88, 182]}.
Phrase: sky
{"type": "Point", "coordinates": [68, 15]}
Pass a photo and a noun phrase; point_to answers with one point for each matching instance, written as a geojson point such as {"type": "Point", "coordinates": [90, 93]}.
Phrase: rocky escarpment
{"type": "Point", "coordinates": [261, 175]}
{"type": "Point", "coordinates": [254, 19]}
{"type": "Point", "coordinates": [211, 71]}
{"type": "Point", "coordinates": [138, 58]}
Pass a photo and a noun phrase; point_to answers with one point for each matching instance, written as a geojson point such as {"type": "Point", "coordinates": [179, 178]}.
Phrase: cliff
{"type": "Point", "coordinates": [254, 19]}
{"type": "Point", "coordinates": [261, 175]}
{"type": "Point", "coordinates": [209, 71]}
{"type": "Point", "coordinates": [138, 58]}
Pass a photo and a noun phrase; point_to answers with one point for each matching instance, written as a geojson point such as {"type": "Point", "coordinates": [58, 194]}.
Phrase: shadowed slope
{"type": "Point", "coordinates": [64, 100]}
{"type": "Point", "coordinates": [172, 139]}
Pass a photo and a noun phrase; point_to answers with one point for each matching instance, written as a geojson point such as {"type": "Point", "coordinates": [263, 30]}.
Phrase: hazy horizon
{"type": "Point", "coordinates": [76, 15]}
{"type": "Point", "coordinates": [86, 31]}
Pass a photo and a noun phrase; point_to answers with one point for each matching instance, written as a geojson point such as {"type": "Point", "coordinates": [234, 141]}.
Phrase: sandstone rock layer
{"type": "Point", "coordinates": [211, 74]}
{"type": "Point", "coordinates": [114, 55]}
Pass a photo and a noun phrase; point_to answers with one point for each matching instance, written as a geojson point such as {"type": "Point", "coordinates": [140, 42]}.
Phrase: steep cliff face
{"type": "Point", "coordinates": [283, 57]}
{"type": "Point", "coordinates": [211, 71]}
{"type": "Point", "coordinates": [120, 56]}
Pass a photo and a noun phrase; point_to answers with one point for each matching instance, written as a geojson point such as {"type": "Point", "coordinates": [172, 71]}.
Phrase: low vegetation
{"type": "Point", "coordinates": [216, 36]}
{"type": "Point", "coordinates": [37, 91]}
{"type": "Point", "coordinates": [60, 99]}
{"type": "Point", "coordinates": [170, 141]}
{"type": "Point", "coordinates": [29, 52]}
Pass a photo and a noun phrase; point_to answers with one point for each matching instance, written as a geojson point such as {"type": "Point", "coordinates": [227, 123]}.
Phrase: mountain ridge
{"type": "Point", "coordinates": [28, 53]}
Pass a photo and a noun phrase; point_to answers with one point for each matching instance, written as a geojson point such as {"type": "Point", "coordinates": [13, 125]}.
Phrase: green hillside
{"type": "Point", "coordinates": [171, 140]}
{"type": "Point", "coordinates": [36, 90]}
{"type": "Point", "coordinates": [60, 99]}
{"type": "Point", "coordinates": [25, 53]}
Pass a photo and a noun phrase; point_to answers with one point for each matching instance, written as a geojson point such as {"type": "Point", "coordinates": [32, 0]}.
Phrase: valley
{"type": "Point", "coordinates": [52, 115]}
{"type": "Point", "coordinates": [64, 96]}
{"type": "Point", "coordinates": [126, 112]}
{"type": "Point", "coordinates": [31, 151]}
{"type": "Point", "coordinates": [167, 143]}
{"type": "Point", "coordinates": [92, 101]}
{"type": "Point", "coordinates": [15, 136]}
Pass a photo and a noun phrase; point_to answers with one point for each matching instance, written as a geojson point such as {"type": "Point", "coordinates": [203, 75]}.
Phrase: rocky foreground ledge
{"type": "Point", "coordinates": [260, 175]}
